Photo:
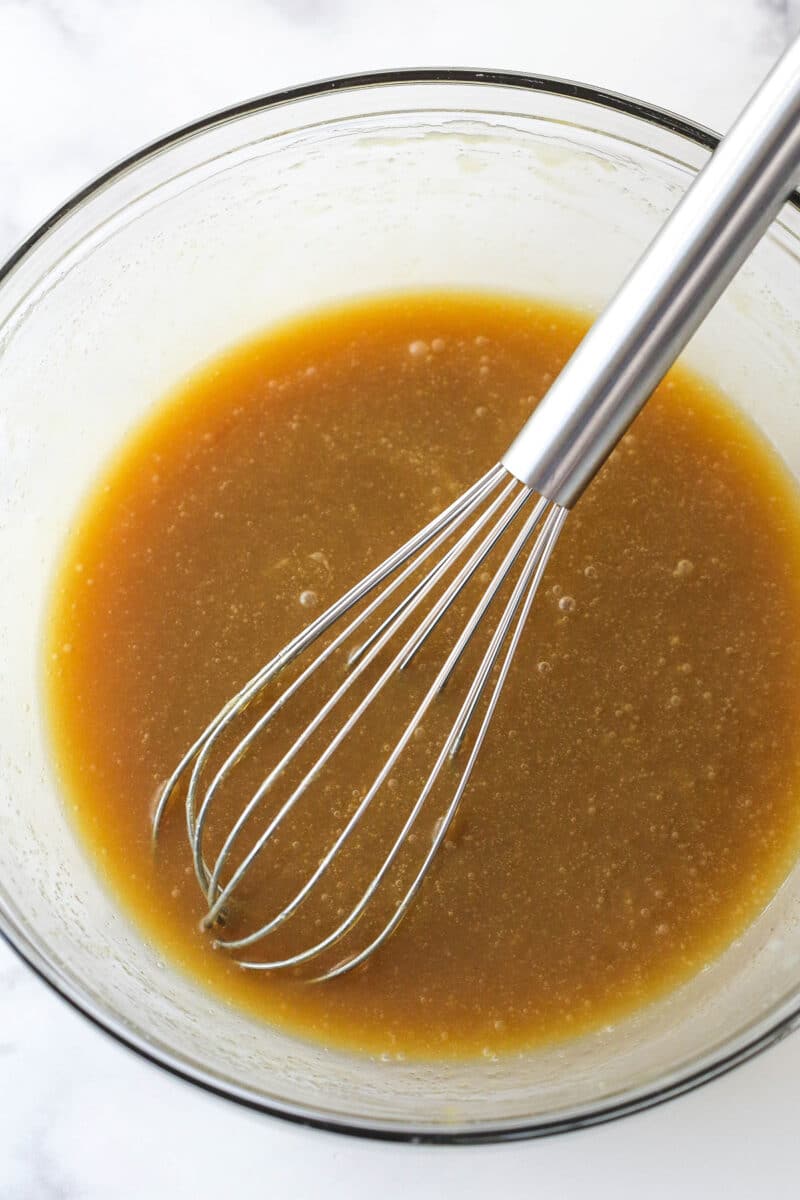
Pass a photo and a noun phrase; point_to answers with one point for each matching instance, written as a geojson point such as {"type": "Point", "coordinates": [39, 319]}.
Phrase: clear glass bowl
{"type": "Point", "coordinates": [343, 188]}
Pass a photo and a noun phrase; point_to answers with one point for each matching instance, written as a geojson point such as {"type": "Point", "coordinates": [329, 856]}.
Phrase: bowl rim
{"type": "Point", "coordinates": [773, 1026]}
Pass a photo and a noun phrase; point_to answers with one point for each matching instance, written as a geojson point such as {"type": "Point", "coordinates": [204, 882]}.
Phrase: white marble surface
{"type": "Point", "coordinates": [83, 82]}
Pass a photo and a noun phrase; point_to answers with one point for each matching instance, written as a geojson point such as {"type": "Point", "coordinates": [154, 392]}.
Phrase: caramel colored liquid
{"type": "Point", "coordinates": [636, 801]}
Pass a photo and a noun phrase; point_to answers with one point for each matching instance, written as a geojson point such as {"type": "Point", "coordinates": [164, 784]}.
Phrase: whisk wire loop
{"type": "Point", "coordinates": [534, 567]}
{"type": "Point", "coordinates": [466, 533]}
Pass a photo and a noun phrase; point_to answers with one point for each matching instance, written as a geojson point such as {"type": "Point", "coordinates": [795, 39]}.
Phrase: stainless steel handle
{"type": "Point", "coordinates": [665, 297]}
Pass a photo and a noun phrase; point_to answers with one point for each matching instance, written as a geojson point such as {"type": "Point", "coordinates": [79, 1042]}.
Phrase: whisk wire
{"type": "Point", "coordinates": [536, 565]}
{"type": "Point", "coordinates": [320, 626]}
{"type": "Point", "coordinates": [491, 506]}
{"type": "Point", "coordinates": [531, 578]}
{"type": "Point", "coordinates": [444, 602]}
{"type": "Point", "coordinates": [526, 586]}
{"type": "Point", "coordinates": [209, 880]}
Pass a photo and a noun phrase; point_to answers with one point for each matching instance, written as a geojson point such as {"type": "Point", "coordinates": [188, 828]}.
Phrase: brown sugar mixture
{"type": "Point", "coordinates": [637, 801]}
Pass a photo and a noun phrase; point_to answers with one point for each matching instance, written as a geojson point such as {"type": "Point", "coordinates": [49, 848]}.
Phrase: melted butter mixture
{"type": "Point", "coordinates": [636, 802]}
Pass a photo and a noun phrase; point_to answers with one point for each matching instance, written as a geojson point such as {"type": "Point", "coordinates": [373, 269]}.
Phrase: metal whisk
{"type": "Point", "coordinates": [520, 504]}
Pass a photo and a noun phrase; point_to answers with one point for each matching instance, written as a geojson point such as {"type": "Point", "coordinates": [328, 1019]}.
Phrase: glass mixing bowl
{"type": "Point", "coordinates": [399, 180]}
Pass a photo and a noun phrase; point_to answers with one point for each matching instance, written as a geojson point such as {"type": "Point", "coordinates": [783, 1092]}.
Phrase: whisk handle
{"type": "Point", "coordinates": [669, 291]}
